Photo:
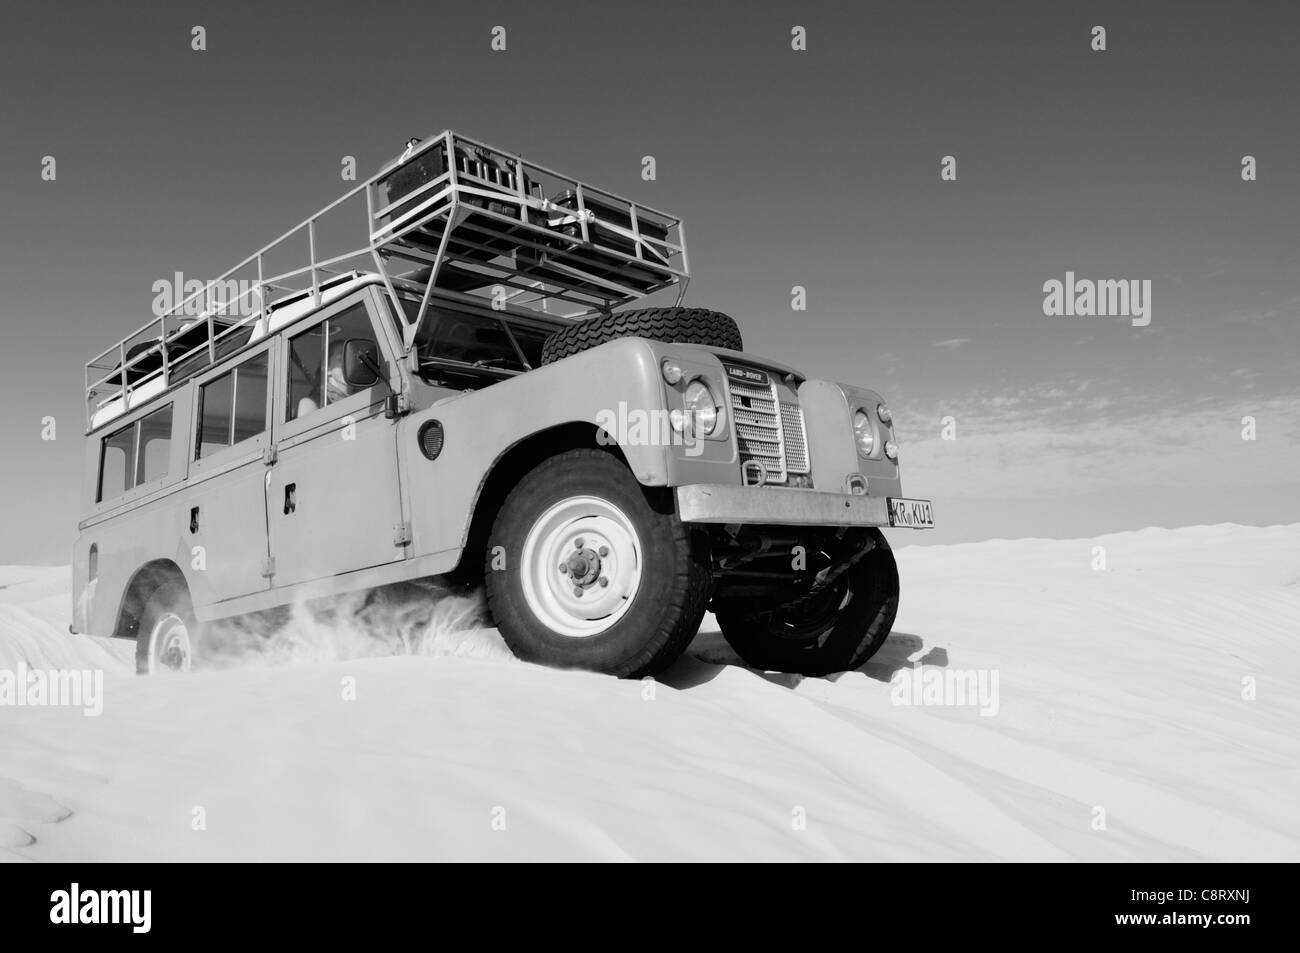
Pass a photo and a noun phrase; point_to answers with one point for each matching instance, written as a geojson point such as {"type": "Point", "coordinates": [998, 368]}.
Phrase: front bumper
{"type": "Point", "coordinates": [718, 503]}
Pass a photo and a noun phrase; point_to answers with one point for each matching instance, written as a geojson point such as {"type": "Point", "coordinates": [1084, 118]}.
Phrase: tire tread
{"type": "Point", "coordinates": [672, 325]}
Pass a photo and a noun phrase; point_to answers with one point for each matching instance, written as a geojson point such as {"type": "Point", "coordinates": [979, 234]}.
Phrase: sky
{"type": "Point", "coordinates": [817, 168]}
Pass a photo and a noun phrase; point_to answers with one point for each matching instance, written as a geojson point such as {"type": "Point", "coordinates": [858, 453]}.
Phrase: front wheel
{"type": "Point", "coordinates": [584, 569]}
{"type": "Point", "coordinates": [833, 629]}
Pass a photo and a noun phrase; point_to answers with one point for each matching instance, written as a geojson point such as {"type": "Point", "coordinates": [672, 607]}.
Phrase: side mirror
{"type": "Point", "coordinates": [361, 366]}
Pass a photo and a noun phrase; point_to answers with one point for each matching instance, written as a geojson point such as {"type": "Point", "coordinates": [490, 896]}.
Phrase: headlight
{"type": "Point", "coordinates": [671, 370]}
{"type": "Point", "coordinates": [883, 413]}
{"type": "Point", "coordinates": [891, 450]}
{"type": "Point", "coordinates": [864, 433]}
{"type": "Point", "coordinates": [701, 407]}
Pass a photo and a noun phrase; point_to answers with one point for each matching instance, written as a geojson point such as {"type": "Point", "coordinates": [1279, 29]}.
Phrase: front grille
{"type": "Point", "coordinates": [759, 433]}
{"type": "Point", "coordinates": [796, 438]}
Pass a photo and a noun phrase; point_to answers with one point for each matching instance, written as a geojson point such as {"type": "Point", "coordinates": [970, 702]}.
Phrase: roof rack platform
{"type": "Point", "coordinates": [450, 213]}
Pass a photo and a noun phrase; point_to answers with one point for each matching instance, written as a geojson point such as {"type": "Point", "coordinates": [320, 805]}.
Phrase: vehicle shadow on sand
{"type": "Point", "coordinates": [709, 654]}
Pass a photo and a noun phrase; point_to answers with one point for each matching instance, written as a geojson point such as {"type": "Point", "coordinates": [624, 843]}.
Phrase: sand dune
{"type": "Point", "coordinates": [1124, 729]}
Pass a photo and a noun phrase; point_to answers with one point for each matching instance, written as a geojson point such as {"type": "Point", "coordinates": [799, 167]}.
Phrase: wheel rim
{"type": "Point", "coordinates": [582, 566]}
{"type": "Point", "coordinates": [169, 645]}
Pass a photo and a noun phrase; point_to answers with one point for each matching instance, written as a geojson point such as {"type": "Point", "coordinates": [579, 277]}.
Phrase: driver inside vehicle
{"type": "Point", "coordinates": [336, 381]}
{"type": "Point", "coordinates": [331, 380]}
{"type": "Point", "coordinates": [319, 359]}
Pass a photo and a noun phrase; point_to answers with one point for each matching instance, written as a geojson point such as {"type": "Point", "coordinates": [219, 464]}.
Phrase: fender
{"type": "Point", "coordinates": [481, 427]}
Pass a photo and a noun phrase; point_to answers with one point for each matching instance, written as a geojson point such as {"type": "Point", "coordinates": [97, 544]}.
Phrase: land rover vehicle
{"type": "Point", "coordinates": [466, 393]}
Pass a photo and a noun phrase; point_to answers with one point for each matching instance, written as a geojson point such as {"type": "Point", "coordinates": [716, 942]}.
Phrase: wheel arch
{"type": "Point", "coordinates": [144, 582]}
{"type": "Point", "coordinates": [508, 468]}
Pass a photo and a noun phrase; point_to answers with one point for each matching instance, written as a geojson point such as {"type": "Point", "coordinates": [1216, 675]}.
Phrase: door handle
{"type": "Point", "coordinates": [194, 519]}
{"type": "Point", "coordinates": [290, 498]}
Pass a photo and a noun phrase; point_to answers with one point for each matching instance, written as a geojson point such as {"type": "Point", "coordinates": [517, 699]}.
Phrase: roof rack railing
{"type": "Point", "coordinates": [480, 220]}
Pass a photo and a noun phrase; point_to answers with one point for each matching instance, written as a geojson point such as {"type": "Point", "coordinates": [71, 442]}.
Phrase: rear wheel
{"type": "Point", "coordinates": [167, 635]}
{"type": "Point", "coordinates": [586, 570]}
{"type": "Point", "coordinates": [833, 629]}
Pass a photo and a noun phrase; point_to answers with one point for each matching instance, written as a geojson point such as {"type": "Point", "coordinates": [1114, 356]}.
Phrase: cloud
{"type": "Point", "coordinates": [1034, 444]}
{"type": "Point", "coordinates": [952, 343]}
{"type": "Point", "coordinates": [1250, 316]}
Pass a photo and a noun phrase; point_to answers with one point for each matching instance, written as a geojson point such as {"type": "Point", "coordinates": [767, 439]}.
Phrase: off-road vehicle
{"type": "Point", "coordinates": [464, 394]}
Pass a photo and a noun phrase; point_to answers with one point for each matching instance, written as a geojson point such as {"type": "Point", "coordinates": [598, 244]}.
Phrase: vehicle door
{"type": "Point", "coordinates": [226, 493]}
{"type": "Point", "coordinates": [334, 497]}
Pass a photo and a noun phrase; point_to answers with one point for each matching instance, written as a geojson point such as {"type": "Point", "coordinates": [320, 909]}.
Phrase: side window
{"type": "Point", "coordinates": [215, 400]}
{"type": "Point", "coordinates": [154, 445]}
{"type": "Point", "coordinates": [316, 377]}
{"type": "Point", "coordinates": [232, 407]}
{"type": "Point", "coordinates": [117, 463]}
{"type": "Point", "coordinates": [136, 454]}
{"type": "Point", "coordinates": [250, 398]}
{"type": "Point", "coordinates": [306, 361]}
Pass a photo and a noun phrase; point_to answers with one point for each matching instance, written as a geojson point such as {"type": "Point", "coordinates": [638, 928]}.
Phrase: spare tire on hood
{"type": "Point", "coordinates": [670, 325]}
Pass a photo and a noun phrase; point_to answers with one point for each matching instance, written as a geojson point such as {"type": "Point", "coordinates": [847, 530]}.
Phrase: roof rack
{"type": "Point", "coordinates": [450, 213]}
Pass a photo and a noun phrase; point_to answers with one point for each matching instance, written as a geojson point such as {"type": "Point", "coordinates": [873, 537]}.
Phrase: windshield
{"type": "Point", "coordinates": [469, 348]}
{"type": "Point", "coordinates": [470, 339]}
{"type": "Point", "coordinates": [530, 341]}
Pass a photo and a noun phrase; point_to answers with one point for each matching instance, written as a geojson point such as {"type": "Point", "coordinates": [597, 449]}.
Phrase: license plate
{"type": "Point", "coordinates": [912, 514]}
